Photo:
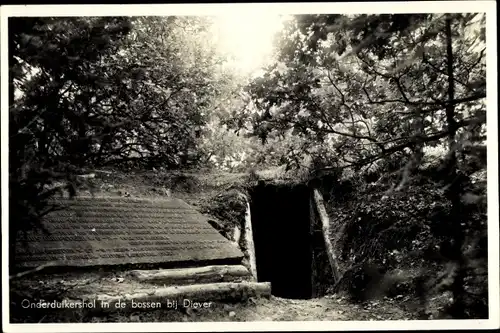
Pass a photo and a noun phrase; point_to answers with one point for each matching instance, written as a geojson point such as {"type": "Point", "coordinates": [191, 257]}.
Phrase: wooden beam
{"type": "Point", "coordinates": [177, 297]}
{"type": "Point", "coordinates": [249, 243]}
{"type": "Point", "coordinates": [325, 226]}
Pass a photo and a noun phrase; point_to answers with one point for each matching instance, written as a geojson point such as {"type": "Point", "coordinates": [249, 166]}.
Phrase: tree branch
{"type": "Point", "coordinates": [481, 54]}
{"type": "Point", "coordinates": [405, 100]}
{"type": "Point", "coordinates": [467, 99]}
{"type": "Point", "coordinates": [437, 69]}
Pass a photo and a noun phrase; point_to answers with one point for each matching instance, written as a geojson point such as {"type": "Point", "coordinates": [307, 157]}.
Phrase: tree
{"type": "Point", "coordinates": [90, 92]}
{"type": "Point", "coordinates": [180, 81]}
{"type": "Point", "coordinates": [48, 118]}
{"type": "Point", "coordinates": [379, 91]}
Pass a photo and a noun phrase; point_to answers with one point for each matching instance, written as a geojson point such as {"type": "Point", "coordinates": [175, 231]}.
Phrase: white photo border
{"type": "Point", "coordinates": [489, 7]}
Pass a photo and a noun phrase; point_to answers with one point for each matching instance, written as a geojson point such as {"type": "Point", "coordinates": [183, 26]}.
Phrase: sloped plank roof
{"type": "Point", "coordinates": [92, 231]}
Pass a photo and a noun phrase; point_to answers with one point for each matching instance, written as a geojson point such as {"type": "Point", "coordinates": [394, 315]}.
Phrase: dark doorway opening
{"type": "Point", "coordinates": [280, 223]}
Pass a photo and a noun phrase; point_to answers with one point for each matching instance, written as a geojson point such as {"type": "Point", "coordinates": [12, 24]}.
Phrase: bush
{"type": "Point", "coordinates": [379, 231]}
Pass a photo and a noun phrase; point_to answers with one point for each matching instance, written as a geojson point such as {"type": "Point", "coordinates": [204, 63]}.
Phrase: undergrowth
{"type": "Point", "coordinates": [393, 243]}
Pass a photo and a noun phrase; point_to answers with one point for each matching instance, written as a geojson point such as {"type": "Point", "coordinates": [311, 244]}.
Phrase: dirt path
{"type": "Point", "coordinates": [329, 308]}
{"type": "Point", "coordinates": [273, 309]}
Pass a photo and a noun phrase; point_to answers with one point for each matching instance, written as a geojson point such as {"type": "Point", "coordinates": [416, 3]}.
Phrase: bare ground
{"type": "Point", "coordinates": [73, 285]}
{"type": "Point", "coordinates": [277, 309]}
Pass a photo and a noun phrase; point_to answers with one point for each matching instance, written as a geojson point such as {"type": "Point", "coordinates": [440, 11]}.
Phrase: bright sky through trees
{"type": "Point", "coordinates": [247, 38]}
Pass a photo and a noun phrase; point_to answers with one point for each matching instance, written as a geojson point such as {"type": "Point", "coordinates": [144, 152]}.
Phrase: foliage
{"type": "Point", "coordinates": [229, 208]}
{"type": "Point", "coordinates": [385, 94]}
{"type": "Point", "coordinates": [47, 133]}
{"type": "Point", "coordinates": [355, 101]}
{"type": "Point", "coordinates": [237, 151]}
{"type": "Point", "coordinates": [404, 232]}
{"type": "Point", "coordinates": [89, 92]}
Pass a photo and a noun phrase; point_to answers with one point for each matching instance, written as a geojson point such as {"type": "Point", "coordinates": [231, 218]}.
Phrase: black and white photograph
{"type": "Point", "coordinates": [231, 164]}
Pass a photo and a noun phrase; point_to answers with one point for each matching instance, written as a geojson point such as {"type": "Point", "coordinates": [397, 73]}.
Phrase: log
{"type": "Point", "coordinates": [31, 271]}
{"type": "Point", "coordinates": [178, 297]}
{"type": "Point", "coordinates": [182, 276]}
{"type": "Point", "coordinates": [325, 226]}
{"type": "Point", "coordinates": [250, 247]}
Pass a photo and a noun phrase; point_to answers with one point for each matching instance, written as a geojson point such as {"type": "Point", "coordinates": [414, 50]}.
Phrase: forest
{"type": "Point", "coordinates": [387, 113]}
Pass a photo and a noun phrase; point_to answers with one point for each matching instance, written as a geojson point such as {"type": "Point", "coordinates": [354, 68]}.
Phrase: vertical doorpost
{"type": "Point", "coordinates": [250, 246]}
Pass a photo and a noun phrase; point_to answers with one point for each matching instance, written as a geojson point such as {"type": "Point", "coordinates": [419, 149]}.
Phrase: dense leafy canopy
{"type": "Point", "coordinates": [55, 66]}
{"type": "Point", "coordinates": [338, 84]}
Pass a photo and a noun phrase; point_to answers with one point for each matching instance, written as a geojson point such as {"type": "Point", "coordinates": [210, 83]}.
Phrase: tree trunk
{"type": "Point", "coordinates": [453, 186]}
{"type": "Point", "coordinates": [182, 276]}
{"type": "Point", "coordinates": [325, 226]}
